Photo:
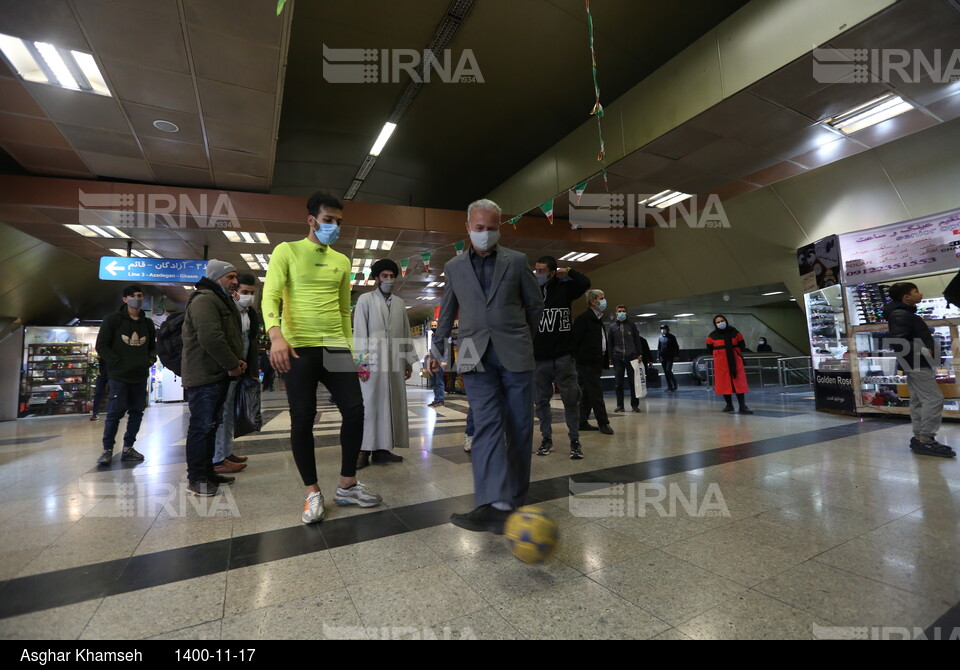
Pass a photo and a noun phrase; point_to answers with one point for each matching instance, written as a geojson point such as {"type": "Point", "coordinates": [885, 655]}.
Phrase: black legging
{"type": "Point", "coordinates": [335, 369]}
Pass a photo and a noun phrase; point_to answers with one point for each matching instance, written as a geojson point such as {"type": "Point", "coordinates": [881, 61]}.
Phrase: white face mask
{"type": "Point", "coordinates": [387, 286]}
{"type": "Point", "coordinates": [245, 301]}
{"type": "Point", "coordinates": [721, 325]}
{"type": "Point", "coordinates": [484, 241]}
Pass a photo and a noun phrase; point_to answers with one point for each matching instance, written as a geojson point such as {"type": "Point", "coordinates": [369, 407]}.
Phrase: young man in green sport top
{"type": "Point", "coordinates": [306, 311]}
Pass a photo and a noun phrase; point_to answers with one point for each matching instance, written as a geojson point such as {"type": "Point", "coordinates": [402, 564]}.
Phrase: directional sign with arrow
{"type": "Point", "coordinates": [165, 270]}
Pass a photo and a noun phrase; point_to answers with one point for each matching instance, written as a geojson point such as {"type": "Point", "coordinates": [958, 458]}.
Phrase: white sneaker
{"type": "Point", "coordinates": [313, 508]}
{"type": "Point", "coordinates": [358, 495]}
{"type": "Point", "coordinates": [467, 442]}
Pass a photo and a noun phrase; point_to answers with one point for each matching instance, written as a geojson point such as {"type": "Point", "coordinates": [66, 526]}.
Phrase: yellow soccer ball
{"type": "Point", "coordinates": [531, 534]}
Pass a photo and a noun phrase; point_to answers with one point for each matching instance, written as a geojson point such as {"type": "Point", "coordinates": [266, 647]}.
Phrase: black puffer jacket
{"type": "Point", "coordinates": [908, 335]}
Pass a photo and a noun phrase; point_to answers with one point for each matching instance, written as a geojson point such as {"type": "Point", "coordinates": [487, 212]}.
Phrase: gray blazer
{"type": "Point", "coordinates": [509, 316]}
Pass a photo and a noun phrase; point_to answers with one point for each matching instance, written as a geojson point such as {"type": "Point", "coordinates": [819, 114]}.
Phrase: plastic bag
{"type": "Point", "coordinates": [639, 379]}
{"type": "Point", "coordinates": [246, 410]}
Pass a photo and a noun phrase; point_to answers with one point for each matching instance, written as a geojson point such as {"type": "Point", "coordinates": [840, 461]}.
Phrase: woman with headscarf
{"type": "Point", "coordinates": [727, 344]}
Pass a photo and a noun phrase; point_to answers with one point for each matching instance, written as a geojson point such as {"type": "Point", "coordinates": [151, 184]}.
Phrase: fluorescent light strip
{"type": "Point", "coordinates": [248, 238]}
{"type": "Point", "coordinates": [152, 254]}
{"type": "Point", "coordinates": [90, 70]}
{"type": "Point", "coordinates": [652, 198]}
{"type": "Point", "coordinates": [116, 232]}
{"type": "Point", "coordinates": [381, 142]}
{"type": "Point", "coordinates": [672, 200]}
{"type": "Point", "coordinates": [55, 61]}
{"type": "Point", "coordinates": [247, 258]}
{"type": "Point", "coordinates": [648, 314]}
{"type": "Point", "coordinates": [361, 244]}
{"type": "Point", "coordinates": [774, 293]}
{"type": "Point", "coordinates": [679, 315]}
{"type": "Point", "coordinates": [82, 230]}
{"type": "Point", "coordinates": [100, 231]}
{"type": "Point", "coordinates": [253, 265]}
{"type": "Point", "coordinates": [570, 256]}
{"type": "Point", "coordinates": [374, 244]}
{"type": "Point", "coordinates": [262, 238]}
{"type": "Point", "coordinates": [386, 245]}
{"type": "Point", "coordinates": [869, 113]}
{"type": "Point", "coordinates": [232, 235]}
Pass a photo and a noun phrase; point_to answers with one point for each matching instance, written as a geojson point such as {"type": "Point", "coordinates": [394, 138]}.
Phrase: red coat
{"type": "Point", "coordinates": [723, 384]}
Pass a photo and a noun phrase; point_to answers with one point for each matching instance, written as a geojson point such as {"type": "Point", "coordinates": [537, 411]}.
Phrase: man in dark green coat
{"type": "Point", "coordinates": [212, 354]}
{"type": "Point", "coordinates": [127, 345]}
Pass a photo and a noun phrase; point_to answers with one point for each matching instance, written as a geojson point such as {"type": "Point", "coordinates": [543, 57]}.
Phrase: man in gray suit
{"type": "Point", "coordinates": [499, 303]}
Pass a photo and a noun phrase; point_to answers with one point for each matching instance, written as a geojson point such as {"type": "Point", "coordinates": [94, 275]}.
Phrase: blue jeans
{"type": "Point", "coordinates": [438, 386]}
{"type": "Point", "coordinates": [502, 403]}
{"type": "Point", "coordinates": [471, 428]}
{"type": "Point", "coordinates": [223, 446]}
{"type": "Point", "coordinates": [129, 399]}
{"type": "Point", "coordinates": [206, 408]}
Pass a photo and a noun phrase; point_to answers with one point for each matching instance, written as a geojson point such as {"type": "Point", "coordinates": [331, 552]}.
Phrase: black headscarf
{"type": "Point", "coordinates": [727, 335]}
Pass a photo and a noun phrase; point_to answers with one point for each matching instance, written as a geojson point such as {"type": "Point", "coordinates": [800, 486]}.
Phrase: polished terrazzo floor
{"type": "Point", "coordinates": [786, 524]}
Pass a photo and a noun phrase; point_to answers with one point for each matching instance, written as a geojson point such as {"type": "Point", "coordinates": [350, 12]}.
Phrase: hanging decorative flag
{"type": "Point", "coordinates": [547, 208]}
{"type": "Point", "coordinates": [579, 189]}
{"type": "Point", "coordinates": [459, 247]}
{"type": "Point", "coordinates": [426, 261]}
{"type": "Point", "coordinates": [403, 267]}
{"type": "Point", "coordinates": [514, 220]}
{"type": "Point", "coordinates": [280, 4]}
{"type": "Point", "coordinates": [597, 110]}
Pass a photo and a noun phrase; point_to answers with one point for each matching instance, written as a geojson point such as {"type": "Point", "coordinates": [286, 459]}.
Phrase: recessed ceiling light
{"type": "Point", "coordinates": [869, 113]}
{"type": "Point", "coordinates": [679, 315]}
{"type": "Point", "coordinates": [648, 314]}
{"type": "Point", "coordinates": [166, 126]}
{"type": "Point", "coordinates": [774, 293]}
{"type": "Point", "coordinates": [45, 63]}
{"type": "Point", "coordinates": [664, 199]}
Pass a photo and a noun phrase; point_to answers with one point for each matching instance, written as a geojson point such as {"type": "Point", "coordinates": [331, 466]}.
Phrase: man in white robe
{"type": "Point", "coordinates": [381, 328]}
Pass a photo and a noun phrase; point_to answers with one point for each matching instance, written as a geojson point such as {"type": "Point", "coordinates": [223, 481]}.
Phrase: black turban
{"type": "Point", "coordinates": [381, 265]}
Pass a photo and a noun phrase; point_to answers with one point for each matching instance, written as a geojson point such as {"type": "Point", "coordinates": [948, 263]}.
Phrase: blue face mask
{"type": "Point", "coordinates": [621, 316]}
{"type": "Point", "coordinates": [328, 233]}
{"type": "Point", "coordinates": [602, 305]}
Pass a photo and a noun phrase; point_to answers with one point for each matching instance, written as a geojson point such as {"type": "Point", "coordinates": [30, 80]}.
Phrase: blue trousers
{"type": "Point", "coordinates": [502, 404]}
{"type": "Point", "coordinates": [129, 399]}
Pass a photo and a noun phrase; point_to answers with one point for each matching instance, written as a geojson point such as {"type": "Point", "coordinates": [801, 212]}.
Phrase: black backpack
{"type": "Point", "coordinates": [170, 340]}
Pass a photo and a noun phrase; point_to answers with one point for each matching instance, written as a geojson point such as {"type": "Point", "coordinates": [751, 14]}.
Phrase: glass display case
{"type": "Point", "coordinates": [880, 380]}
{"type": "Point", "coordinates": [827, 324]}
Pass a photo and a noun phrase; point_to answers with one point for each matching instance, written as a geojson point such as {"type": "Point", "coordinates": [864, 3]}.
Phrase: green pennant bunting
{"type": "Point", "coordinates": [547, 208]}
{"type": "Point", "coordinates": [425, 257]}
{"type": "Point", "coordinates": [403, 267]}
{"type": "Point", "coordinates": [280, 4]}
{"type": "Point", "coordinates": [579, 189]}
{"type": "Point", "coordinates": [514, 220]}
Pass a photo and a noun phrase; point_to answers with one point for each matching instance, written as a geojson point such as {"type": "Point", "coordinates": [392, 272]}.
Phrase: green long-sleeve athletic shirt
{"type": "Point", "coordinates": [308, 285]}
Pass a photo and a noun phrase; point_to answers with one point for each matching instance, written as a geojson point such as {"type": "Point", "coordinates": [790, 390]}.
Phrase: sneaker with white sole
{"type": "Point", "coordinates": [359, 495]}
{"type": "Point", "coordinates": [313, 508]}
{"type": "Point", "coordinates": [467, 442]}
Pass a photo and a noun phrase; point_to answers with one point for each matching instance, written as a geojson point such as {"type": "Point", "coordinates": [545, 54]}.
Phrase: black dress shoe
{"type": "Point", "coordinates": [221, 479]}
{"type": "Point", "coordinates": [483, 519]}
{"type": "Point", "coordinates": [363, 460]}
{"type": "Point", "coordinates": [384, 456]}
{"type": "Point", "coordinates": [606, 429]}
{"type": "Point", "coordinates": [587, 426]}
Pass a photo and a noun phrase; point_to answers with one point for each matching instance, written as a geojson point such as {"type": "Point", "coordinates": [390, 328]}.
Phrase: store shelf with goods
{"type": "Point", "coordinates": [56, 379]}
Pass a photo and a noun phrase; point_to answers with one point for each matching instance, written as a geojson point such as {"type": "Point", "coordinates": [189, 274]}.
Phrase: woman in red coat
{"type": "Point", "coordinates": [726, 344]}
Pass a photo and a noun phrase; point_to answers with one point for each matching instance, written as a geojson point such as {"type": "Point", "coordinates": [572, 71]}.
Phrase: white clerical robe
{"type": "Point", "coordinates": [378, 331]}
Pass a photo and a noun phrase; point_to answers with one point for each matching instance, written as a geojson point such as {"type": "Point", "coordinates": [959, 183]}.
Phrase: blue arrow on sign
{"type": "Point", "coordinates": [165, 270]}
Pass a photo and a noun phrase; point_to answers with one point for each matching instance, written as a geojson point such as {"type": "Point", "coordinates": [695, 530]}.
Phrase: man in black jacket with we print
{"type": "Point", "coordinates": [553, 351]}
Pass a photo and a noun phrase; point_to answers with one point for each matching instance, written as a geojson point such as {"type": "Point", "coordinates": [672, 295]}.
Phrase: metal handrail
{"type": "Point", "coordinates": [784, 370]}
